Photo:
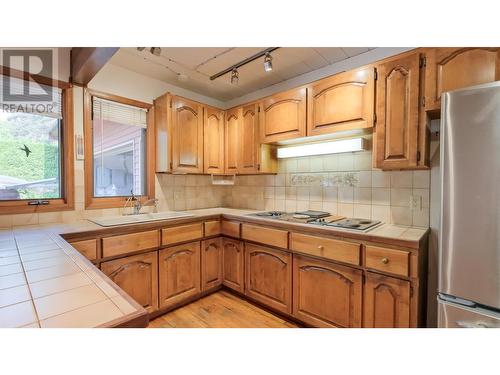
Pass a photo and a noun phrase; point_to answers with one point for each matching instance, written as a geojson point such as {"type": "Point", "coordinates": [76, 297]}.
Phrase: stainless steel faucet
{"type": "Point", "coordinates": [137, 205]}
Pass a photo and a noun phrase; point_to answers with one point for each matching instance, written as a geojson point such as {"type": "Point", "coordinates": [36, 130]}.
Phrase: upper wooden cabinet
{"type": "Point", "coordinates": [283, 116]}
{"type": "Point", "coordinates": [386, 302]}
{"type": "Point", "coordinates": [232, 139]}
{"type": "Point", "coordinates": [249, 140]}
{"type": "Point", "coordinates": [179, 273]}
{"type": "Point", "coordinates": [344, 101]}
{"type": "Point", "coordinates": [398, 109]}
{"type": "Point", "coordinates": [163, 131]}
{"type": "Point", "coordinates": [187, 136]}
{"type": "Point", "coordinates": [213, 141]}
{"type": "Point", "coordinates": [455, 68]}
{"type": "Point", "coordinates": [138, 276]}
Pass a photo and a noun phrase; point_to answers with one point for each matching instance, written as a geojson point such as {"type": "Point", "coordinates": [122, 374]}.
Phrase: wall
{"type": "Point", "coordinates": [342, 184]}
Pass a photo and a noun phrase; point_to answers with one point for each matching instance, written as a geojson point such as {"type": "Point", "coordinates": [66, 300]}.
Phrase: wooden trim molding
{"type": "Point", "coordinates": [67, 202]}
{"type": "Point", "coordinates": [92, 202]}
{"type": "Point", "coordinates": [27, 76]}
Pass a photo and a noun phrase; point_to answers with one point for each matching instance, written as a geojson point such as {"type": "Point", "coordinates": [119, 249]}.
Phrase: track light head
{"type": "Point", "coordinates": [155, 51]}
{"type": "Point", "coordinates": [268, 62]}
{"type": "Point", "coordinates": [140, 49]}
{"type": "Point", "coordinates": [234, 76]}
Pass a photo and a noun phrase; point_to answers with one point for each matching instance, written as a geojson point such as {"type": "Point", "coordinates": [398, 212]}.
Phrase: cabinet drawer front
{"type": "Point", "coordinates": [341, 251]}
{"type": "Point", "coordinates": [230, 228]}
{"type": "Point", "coordinates": [268, 236]}
{"type": "Point", "coordinates": [88, 248]}
{"type": "Point", "coordinates": [128, 243]}
{"type": "Point", "coordinates": [212, 228]}
{"type": "Point", "coordinates": [387, 260]}
{"type": "Point", "coordinates": [181, 233]}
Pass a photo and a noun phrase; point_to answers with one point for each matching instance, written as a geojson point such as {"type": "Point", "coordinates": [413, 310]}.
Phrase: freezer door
{"type": "Point", "coordinates": [455, 316]}
{"type": "Point", "coordinates": [470, 212]}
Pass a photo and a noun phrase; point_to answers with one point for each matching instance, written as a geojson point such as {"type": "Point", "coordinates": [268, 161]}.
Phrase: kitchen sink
{"type": "Point", "coordinates": [140, 218]}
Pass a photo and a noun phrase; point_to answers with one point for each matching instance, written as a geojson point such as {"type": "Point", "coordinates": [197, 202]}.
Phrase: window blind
{"type": "Point", "coordinates": [18, 95]}
{"type": "Point", "coordinates": [117, 112]}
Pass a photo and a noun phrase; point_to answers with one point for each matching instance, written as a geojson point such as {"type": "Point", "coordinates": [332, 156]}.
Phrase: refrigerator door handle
{"type": "Point", "coordinates": [476, 324]}
{"type": "Point", "coordinates": [458, 300]}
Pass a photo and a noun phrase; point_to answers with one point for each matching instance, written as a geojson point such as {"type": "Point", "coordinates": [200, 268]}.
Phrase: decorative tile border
{"type": "Point", "coordinates": [337, 179]}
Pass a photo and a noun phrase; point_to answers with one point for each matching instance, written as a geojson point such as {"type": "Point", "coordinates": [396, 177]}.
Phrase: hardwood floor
{"type": "Point", "coordinates": [220, 310]}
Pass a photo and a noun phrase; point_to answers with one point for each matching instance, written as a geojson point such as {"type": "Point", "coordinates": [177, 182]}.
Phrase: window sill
{"type": "Point", "coordinates": [21, 207]}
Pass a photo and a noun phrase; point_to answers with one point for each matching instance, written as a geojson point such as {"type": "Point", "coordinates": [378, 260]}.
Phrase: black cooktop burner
{"type": "Point", "coordinates": [270, 213]}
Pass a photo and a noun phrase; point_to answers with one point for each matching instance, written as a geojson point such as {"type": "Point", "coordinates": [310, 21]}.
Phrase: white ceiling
{"type": "Point", "coordinates": [199, 63]}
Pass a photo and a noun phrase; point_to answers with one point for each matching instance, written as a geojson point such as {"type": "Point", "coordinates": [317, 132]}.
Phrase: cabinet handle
{"type": "Point", "coordinates": [385, 260]}
{"type": "Point", "coordinates": [320, 247]}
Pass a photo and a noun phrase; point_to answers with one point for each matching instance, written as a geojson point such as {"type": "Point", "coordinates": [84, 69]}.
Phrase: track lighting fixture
{"type": "Point", "coordinates": [140, 49]}
{"type": "Point", "coordinates": [234, 77]}
{"type": "Point", "coordinates": [155, 51]}
{"type": "Point", "coordinates": [268, 62]}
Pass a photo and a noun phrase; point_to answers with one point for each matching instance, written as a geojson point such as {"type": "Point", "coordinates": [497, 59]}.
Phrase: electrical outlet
{"type": "Point", "coordinates": [415, 202]}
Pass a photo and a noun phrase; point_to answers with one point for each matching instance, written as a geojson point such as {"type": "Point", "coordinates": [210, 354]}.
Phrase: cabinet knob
{"type": "Point", "coordinates": [320, 247]}
{"type": "Point", "coordinates": [385, 260]}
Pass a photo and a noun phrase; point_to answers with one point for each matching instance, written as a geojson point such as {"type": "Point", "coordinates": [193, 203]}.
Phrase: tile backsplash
{"type": "Point", "coordinates": [342, 184]}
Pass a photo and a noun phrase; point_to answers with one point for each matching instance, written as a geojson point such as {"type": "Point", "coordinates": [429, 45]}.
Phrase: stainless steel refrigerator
{"type": "Point", "coordinates": [469, 236]}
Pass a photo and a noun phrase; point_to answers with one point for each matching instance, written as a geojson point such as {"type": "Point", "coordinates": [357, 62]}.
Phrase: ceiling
{"type": "Point", "coordinates": [197, 64]}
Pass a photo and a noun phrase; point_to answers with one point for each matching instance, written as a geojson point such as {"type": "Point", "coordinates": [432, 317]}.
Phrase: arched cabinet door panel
{"type": "Point", "coordinates": [232, 140]}
{"type": "Point", "coordinates": [386, 302]}
{"type": "Point", "coordinates": [213, 141]}
{"type": "Point", "coordinates": [211, 263]}
{"type": "Point", "coordinates": [233, 264]}
{"type": "Point", "coordinates": [326, 294]}
{"type": "Point", "coordinates": [179, 273]}
{"type": "Point", "coordinates": [138, 276]}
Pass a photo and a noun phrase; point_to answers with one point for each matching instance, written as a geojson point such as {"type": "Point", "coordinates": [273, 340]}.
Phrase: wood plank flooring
{"type": "Point", "coordinates": [220, 310]}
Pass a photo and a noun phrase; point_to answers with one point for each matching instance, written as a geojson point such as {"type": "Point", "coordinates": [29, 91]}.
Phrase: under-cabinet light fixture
{"type": "Point", "coordinates": [324, 148]}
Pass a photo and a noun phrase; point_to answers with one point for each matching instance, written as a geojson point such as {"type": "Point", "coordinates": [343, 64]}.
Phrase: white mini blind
{"type": "Point", "coordinates": [117, 112]}
{"type": "Point", "coordinates": [19, 95]}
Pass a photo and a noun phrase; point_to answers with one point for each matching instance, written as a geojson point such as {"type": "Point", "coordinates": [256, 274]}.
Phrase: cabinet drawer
{"type": "Point", "coordinates": [268, 236]}
{"type": "Point", "coordinates": [181, 233]}
{"type": "Point", "coordinates": [342, 251]}
{"type": "Point", "coordinates": [128, 243]}
{"type": "Point", "coordinates": [230, 228]}
{"type": "Point", "coordinates": [88, 248]}
{"type": "Point", "coordinates": [212, 228]}
{"type": "Point", "coordinates": [387, 260]}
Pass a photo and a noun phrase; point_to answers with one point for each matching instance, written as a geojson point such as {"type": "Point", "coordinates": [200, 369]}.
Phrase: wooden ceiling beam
{"type": "Point", "coordinates": [87, 61]}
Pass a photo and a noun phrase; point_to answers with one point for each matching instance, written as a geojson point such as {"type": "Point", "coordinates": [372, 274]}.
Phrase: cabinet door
{"type": "Point", "coordinates": [233, 263]}
{"type": "Point", "coordinates": [342, 102]}
{"type": "Point", "coordinates": [179, 278]}
{"type": "Point", "coordinates": [326, 294]}
{"type": "Point", "coordinates": [249, 138]}
{"type": "Point", "coordinates": [187, 136]}
{"type": "Point", "coordinates": [398, 97]}
{"type": "Point", "coordinates": [138, 276]}
{"type": "Point", "coordinates": [386, 302]}
{"type": "Point", "coordinates": [213, 140]}
{"type": "Point", "coordinates": [163, 131]}
{"type": "Point", "coordinates": [455, 68]}
{"type": "Point", "coordinates": [232, 140]}
{"type": "Point", "coordinates": [211, 263]}
{"type": "Point", "coordinates": [268, 276]}
{"type": "Point", "coordinates": [283, 116]}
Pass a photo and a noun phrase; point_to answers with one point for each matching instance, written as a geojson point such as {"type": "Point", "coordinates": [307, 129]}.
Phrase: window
{"type": "Point", "coordinates": [118, 135]}
{"type": "Point", "coordinates": [35, 136]}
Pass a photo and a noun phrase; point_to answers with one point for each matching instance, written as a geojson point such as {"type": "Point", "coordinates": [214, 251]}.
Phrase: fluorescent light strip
{"type": "Point", "coordinates": [324, 148]}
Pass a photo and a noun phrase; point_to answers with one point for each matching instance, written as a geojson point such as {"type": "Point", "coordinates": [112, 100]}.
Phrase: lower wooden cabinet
{"type": "Point", "coordinates": [326, 294]}
{"type": "Point", "coordinates": [179, 273]}
{"type": "Point", "coordinates": [386, 302]}
{"type": "Point", "coordinates": [138, 276]}
{"type": "Point", "coordinates": [211, 263]}
{"type": "Point", "coordinates": [234, 261]}
{"type": "Point", "coordinates": [268, 274]}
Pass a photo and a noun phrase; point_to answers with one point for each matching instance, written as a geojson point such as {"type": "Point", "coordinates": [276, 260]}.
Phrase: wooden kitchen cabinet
{"type": "Point", "coordinates": [187, 136]}
{"type": "Point", "coordinates": [138, 276]}
{"type": "Point", "coordinates": [213, 141]}
{"type": "Point", "coordinates": [386, 302]}
{"type": "Point", "coordinates": [179, 273]}
{"type": "Point", "coordinates": [211, 263]}
{"type": "Point", "coordinates": [87, 248]}
{"type": "Point", "coordinates": [163, 131]}
{"type": "Point", "coordinates": [344, 101]}
{"type": "Point", "coordinates": [268, 274]}
{"type": "Point", "coordinates": [283, 116]}
{"type": "Point", "coordinates": [326, 294]}
{"type": "Point", "coordinates": [398, 113]}
{"type": "Point", "coordinates": [455, 68]}
{"type": "Point", "coordinates": [249, 140]}
{"type": "Point", "coordinates": [232, 140]}
{"type": "Point", "coordinates": [233, 264]}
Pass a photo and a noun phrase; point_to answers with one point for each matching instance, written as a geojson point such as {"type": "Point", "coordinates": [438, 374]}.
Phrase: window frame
{"type": "Point", "coordinates": [67, 200]}
{"type": "Point", "coordinates": [92, 202]}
